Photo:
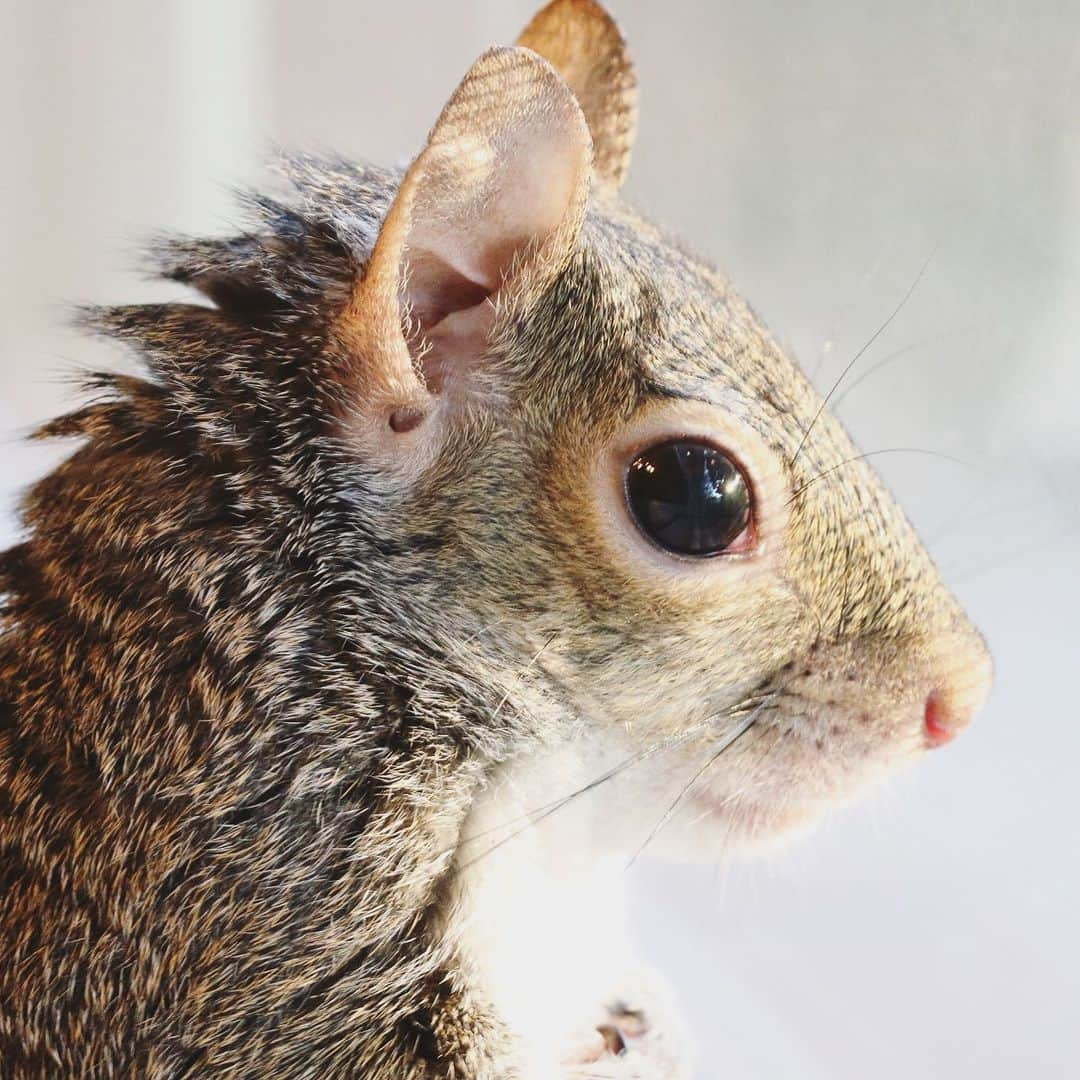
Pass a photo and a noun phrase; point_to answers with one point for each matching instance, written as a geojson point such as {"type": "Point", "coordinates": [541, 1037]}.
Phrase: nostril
{"type": "Point", "coordinates": [941, 725]}
{"type": "Point", "coordinates": [959, 674]}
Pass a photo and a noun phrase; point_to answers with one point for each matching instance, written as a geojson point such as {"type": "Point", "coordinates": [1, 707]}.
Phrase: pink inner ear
{"type": "Point", "coordinates": [489, 212]}
{"type": "Point", "coordinates": [435, 289]}
{"type": "Point", "coordinates": [446, 319]}
{"type": "Point", "coordinates": [486, 200]}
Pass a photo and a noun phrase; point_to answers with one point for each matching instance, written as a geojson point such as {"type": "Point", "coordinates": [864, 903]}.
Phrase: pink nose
{"type": "Point", "coordinates": [946, 714]}
{"type": "Point", "coordinates": [961, 674]}
{"type": "Point", "coordinates": [940, 722]}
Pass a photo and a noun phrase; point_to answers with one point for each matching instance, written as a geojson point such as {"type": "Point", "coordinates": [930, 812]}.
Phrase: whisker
{"type": "Point", "coordinates": [528, 820]}
{"type": "Point", "coordinates": [886, 360]}
{"type": "Point", "coordinates": [521, 675]}
{"type": "Point", "coordinates": [855, 359]}
{"type": "Point", "coordinates": [458, 647]}
{"type": "Point", "coordinates": [669, 813]}
{"type": "Point", "coordinates": [876, 453]}
{"type": "Point", "coordinates": [871, 273]}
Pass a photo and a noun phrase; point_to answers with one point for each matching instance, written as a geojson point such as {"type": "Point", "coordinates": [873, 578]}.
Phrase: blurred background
{"type": "Point", "coordinates": [819, 153]}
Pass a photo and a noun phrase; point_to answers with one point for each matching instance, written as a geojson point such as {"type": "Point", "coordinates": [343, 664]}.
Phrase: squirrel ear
{"type": "Point", "coordinates": [581, 40]}
{"type": "Point", "coordinates": [494, 202]}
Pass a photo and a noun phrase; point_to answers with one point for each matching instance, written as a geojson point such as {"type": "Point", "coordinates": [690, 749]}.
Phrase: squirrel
{"type": "Point", "coordinates": [467, 535]}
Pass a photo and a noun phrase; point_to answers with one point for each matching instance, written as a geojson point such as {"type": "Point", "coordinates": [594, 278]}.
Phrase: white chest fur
{"type": "Point", "coordinates": [540, 911]}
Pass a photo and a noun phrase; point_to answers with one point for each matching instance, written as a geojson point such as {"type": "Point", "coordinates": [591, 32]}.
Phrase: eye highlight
{"type": "Point", "coordinates": [690, 498]}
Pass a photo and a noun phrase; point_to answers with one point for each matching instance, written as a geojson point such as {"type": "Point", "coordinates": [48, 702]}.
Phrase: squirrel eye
{"type": "Point", "coordinates": [689, 497]}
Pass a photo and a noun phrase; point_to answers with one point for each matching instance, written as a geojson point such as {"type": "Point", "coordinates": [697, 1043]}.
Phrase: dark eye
{"type": "Point", "coordinates": [688, 497]}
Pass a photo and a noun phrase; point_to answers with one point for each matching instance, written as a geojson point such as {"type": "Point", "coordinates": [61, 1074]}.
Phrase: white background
{"type": "Point", "coordinates": [819, 153]}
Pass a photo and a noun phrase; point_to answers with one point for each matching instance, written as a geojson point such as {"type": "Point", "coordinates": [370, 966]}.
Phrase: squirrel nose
{"type": "Point", "coordinates": [942, 723]}
{"type": "Point", "coordinates": [953, 704]}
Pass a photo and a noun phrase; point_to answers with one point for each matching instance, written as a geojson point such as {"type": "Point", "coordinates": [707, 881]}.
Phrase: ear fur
{"type": "Point", "coordinates": [581, 40]}
{"type": "Point", "coordinates": [493, 203]}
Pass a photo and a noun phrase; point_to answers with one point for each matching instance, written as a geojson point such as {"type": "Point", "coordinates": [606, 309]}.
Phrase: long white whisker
{"type": "Point", "coordinates": [541, 813]}
{"type": "Point", "coordinates": [741, 730]}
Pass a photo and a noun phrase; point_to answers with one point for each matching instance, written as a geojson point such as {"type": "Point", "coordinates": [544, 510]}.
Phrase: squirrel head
{"type": "Point", "coordinates": [566, 453]}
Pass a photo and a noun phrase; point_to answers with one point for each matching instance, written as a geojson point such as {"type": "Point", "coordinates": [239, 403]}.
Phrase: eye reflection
{"type": "Point", "coordinates": [688, 497]}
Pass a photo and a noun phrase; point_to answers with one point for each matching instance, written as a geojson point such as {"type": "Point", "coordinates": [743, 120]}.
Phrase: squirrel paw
{"type": "Point", "coordinates": [639, 1037]}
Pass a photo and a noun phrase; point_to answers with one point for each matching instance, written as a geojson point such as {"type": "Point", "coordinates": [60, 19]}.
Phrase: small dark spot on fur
{"type": "Point", "coordinates": [188, 1064]}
